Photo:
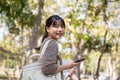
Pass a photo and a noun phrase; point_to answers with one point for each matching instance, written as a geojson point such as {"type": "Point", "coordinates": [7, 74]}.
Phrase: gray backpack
{"type": "Point", "coordinates": [33, 71]}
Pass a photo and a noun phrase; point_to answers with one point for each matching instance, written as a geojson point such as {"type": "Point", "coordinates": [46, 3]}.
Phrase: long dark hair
{"type": "Point", "coordinates": [52, 20]}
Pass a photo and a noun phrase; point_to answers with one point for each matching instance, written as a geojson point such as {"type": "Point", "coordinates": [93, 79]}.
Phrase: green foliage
{"type": "Point", "coordinates": [14, 30]}
{"type": "Point", "coordinates": [86, 20]}
{"type": "Point", "coordinates": [108, 47]}
{"type": "Point", "coordinates": [91, 60]}
{"type": "Point", "coordinates": [10, 63]}
{"type": "Point", "coordinates": [66, 55]}
{"type": "Point", "coordinates": [92, 43]}
{"type": "Point", "coordinates": [17, 11]}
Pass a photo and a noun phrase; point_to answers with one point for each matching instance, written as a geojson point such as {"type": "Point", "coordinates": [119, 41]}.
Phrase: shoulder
{"type": "Point", "coordinates": [52, 43]}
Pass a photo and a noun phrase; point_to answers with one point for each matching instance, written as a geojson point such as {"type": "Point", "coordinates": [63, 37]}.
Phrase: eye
{"type": "Point", "coordinates": [56, 26]}
{"type": "Point", "coordinates": [62, 27]}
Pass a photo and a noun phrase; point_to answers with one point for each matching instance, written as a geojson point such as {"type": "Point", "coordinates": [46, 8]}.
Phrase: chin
{"type": "Point", "coordinates": [59, 37]}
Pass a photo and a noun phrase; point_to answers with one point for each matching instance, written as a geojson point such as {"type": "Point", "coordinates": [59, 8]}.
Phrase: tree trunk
{"type": "Point", "coordinates": [115, 63]}
{"type": "Point", "coordinates": [36, 30]}
{"type": "Point", "coordinates": [77, 53]}
{"type": "Point", "coordinates": [98, 67]}
{"type": "Point", "coordinates": [102, 52]}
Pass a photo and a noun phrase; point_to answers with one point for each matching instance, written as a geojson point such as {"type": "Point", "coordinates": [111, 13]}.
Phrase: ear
{"type": "Point", "coordinates": [47, 29]}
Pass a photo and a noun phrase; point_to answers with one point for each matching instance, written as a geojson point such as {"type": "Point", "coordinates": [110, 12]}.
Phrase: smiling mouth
{"type": "Point", "coordinates": [60, 34]}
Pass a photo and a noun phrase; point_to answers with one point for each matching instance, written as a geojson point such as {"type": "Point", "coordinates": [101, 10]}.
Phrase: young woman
{"type": "Point", "coordinates": [54, 30]}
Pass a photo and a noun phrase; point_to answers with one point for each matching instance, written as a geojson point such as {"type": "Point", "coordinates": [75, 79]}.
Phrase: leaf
{"type": "Point", "coordinates": [14, 30]}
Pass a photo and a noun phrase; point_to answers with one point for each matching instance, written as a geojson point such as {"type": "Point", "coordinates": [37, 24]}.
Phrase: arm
{"type": "Point", "coordinates": [67, 66]}
{"type": "Point", "coordinates": [49, 64]}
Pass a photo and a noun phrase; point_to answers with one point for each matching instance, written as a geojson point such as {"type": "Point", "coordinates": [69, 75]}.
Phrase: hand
{"type": "Point", "coordinates": [71, 64]}
{"type": "Point", "coordinates": [71, 71]}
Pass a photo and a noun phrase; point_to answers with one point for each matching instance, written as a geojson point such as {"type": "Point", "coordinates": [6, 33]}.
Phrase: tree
{"type": "Point", "coordinates": [36, 29]}
{"type": "Point", "coordinates": [92, 30]}
{"type": "Point", "coordinates": [93, 15]}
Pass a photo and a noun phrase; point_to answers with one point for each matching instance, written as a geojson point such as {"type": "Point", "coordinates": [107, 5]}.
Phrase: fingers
{"type": "Point", "coordinates": [71, 65]}
{"type": "Point", "coordinates": [72, 71]}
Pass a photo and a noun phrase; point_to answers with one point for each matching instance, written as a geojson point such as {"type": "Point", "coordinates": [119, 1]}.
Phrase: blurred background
{"type": "Point", "coordinates": [92, 31]}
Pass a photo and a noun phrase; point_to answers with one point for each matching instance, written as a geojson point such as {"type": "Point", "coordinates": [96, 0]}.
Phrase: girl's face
{"type": "Point", "coordinates": [56, 31]}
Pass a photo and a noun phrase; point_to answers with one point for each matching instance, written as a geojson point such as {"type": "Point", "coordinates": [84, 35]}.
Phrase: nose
{"type": "Point", "coordinates": [60, 28]}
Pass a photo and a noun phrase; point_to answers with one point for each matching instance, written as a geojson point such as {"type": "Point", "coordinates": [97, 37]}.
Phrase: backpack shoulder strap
{"type": "Point", "coordinates": [42, 51]}
{"type": "Point", "coordinates": [44, 48]}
